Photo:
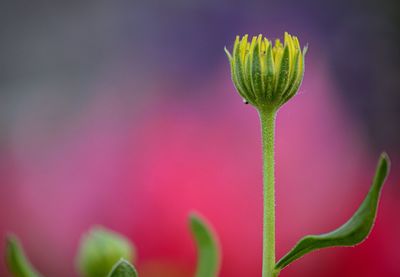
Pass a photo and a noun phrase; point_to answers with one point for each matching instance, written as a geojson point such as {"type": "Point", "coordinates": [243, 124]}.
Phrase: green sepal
{"type": "Point", "coordinates": [299, 77]}
{"type": "Point", "coordinates": [256, 69]}
{"type": "Point", "coordinates": [228, 54]}
{"type": "Point", "coordinates": [16, 260]}
{"type": "Point", "coordinates": [282, 73]}
{"type": "Point", "coordinates": [208, 250]}
{"type": "Point", "coordinates": [270, 72]}
{"type": "Point", "coordinates": [238, 69]}
{"type": "Point", "coordinates": [234, 77]}
{"type": "Point", "coordinates": [123, 268]}
{"type": "Point", "coordinates": [293, 86]}
{"type": "Point", "coordinates": [305, 49]}
{"type": "Point", "coordinates": [247, 63]}
{"type": "Point", "coordinates": [354, 231]}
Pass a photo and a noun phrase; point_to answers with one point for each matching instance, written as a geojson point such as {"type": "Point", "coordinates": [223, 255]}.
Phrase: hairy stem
{"type": "Point", "coordinates": [267, 118]}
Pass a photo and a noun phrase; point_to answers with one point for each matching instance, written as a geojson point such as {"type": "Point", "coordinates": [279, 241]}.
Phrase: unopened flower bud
{"type": "Point", "coordinates": [100, 249]}
{"type": "Point", "coordinates": [267, 75]}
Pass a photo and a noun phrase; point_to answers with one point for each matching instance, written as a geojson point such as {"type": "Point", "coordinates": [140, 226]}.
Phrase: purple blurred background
{"type": "Point", "coordinates": [122, 113]}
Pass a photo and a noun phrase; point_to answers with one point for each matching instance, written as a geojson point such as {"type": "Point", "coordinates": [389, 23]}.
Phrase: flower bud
{"type": "Point", "coordinates": [267, 75]}
{"type": "Point", "coordinates": [100, 249]}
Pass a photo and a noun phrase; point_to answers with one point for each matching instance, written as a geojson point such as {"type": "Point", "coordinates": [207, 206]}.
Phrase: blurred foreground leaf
{"type": "Point", "coordinates": [17, 263]}
{"type": "Point", "coordinates": [123, 268]}
{"type": "Point", "coordinates": [354, 231]}
{"type": "Point", "coordinates": [208, 250]}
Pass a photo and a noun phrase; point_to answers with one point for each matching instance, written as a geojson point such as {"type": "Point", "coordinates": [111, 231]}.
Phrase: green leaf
{"type": "Point", "coordinates": [123, 268]}
{"type": "Point", "coordinates": [17, 263]}
{"type": "Point", "coordinates": [209, 257]}
{"type": "Point", "coordinates": [354, 231]}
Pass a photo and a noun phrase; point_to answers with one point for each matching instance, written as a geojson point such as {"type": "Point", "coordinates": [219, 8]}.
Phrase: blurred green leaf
{"type": "Point", "coordinates": [209, 257]}
{"type": "Point", "coordinates": [100, 249]}
{"type": "Point", "coordinates": [17, 263]}
{"type": "Point", "coordinates": [123, 268]}
{"type": "Point", "coordinates": [354, 231]}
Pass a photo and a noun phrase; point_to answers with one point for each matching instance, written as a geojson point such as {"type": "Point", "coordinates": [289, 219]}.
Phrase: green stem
{"type": "Point", "coordinates": [268, 140]}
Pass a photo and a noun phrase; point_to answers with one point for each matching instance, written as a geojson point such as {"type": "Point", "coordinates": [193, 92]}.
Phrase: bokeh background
{"type": "Point", "coordinates": [122, 113]}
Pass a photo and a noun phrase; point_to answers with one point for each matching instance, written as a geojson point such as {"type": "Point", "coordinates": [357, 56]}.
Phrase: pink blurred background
{"type": "Point", "coordinates": [123, 114]}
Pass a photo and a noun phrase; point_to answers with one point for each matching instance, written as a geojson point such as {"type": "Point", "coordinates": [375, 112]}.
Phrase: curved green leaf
{"type": "Point", "coordinates": [17, 263]}
{"type": "Point", "coordinates": [123, 268]}
{"type": "Point", "coordinates": [209, 257]}
{"type": "Point", "coordinates": [354, 231]}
